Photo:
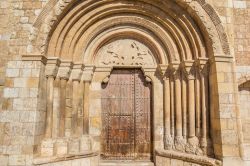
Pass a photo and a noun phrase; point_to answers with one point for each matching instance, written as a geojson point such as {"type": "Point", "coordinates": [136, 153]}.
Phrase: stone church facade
{"type": "Point", "coordinates": [124, 82]}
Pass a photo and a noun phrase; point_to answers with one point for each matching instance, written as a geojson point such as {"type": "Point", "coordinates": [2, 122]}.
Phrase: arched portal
{"type": "Point", "coordinates": [178, 47]}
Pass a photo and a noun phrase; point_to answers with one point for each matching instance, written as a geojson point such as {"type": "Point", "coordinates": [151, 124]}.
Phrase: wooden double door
{"type": "Point", "coordinates": [126, 116]}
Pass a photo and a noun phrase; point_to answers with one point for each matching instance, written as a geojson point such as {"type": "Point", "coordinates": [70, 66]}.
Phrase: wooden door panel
{"type": "Point", "coordinates": [126, 130]}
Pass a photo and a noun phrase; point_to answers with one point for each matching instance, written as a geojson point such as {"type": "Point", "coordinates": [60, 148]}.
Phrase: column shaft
{"type": "Point", "coordinates": [86, 108]}
{"type": "Point", "coordinates": [81, 108]}
{"type": "Point", "coordinates": [178, 111]}
{"type": "Point", "coordinates": [167, 107]}
{"type": "Point", "coordinates": [62, 107]}
{"type": "Point", "coordinates": [184, 107]}
{"type": "Point", "coordinates": [172, 108]}
{"type": "Point", "coordinates": [197, 107]}
{"type": "Point", "coordinates": [68, 112]}
{"type": "Point", "coordinates": [75, 102]}
{"type": "Point", "coordinates": [191, 108]}
{"type": "Point", "coordinates": [56, 109]}
{"type": "Point", "coordinates": [49, 109]}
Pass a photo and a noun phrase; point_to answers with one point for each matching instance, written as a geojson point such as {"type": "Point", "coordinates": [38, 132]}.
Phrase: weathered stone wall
{"type": "Point", "coordinates": [244, 95]}
{"type": "Point", "coordinates": [22, 116]}
{"type": "Point", "coordinates": [235, 15]}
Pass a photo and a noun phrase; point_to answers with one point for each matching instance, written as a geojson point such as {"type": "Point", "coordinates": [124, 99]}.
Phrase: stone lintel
{"type": "Point", "coordinates": [103, 69]}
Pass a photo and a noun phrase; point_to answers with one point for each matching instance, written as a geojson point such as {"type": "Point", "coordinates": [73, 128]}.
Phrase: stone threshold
{"type": "Point", "coordinates": [203, 160]}
{"type": "Point", "coordinates": [47, 160]}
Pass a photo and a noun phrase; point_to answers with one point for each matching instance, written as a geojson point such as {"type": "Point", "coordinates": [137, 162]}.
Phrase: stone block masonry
{"type": "Point", "coordinates": [20, 117]}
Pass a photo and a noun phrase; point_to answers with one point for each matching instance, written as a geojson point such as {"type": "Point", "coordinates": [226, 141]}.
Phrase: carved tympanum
{"type": "Point", "coordinates": [125, 52]}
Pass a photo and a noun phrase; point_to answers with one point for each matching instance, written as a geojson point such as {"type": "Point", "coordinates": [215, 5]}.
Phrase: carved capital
{"type": "Point", "coordinates": [176, 70]}
{"type": "Point", "coordinates": [77, 71]}
{"type": "Point", "coordinates": [88, 73]}
{"type": "Point", "coordinates": [65, 70]}
{"type": "Point", "coordinates": [165, 71]}
{"type": "Point", "coordinates": [52, 67]}
{"type": "Point", "coordinates": [189, 69]}
{"type": "Point", "coordinates": [203, 65]}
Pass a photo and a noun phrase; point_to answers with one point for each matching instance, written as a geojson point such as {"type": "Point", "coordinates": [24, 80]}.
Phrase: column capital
{"type": "Point", "coordinates": [203, 65]}
{"type": "Point", "coordinates": [175, 68]}
{"type": "Point", "coordinates": [65, 70]}
{"type": "Point", "coordinates": [164, 71]}
{"type": "Point", "coordinates": [51, 68]}
{"type": "Point", "coordinates": [77, 71]}
{"type": "Point", "coordinates": [88, 73]}
{"type": "Point", "coordinates": [189, 69]}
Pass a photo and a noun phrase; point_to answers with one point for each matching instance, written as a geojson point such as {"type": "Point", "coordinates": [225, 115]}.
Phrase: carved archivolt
{"type": "Point", "coordinates": [200, 11]}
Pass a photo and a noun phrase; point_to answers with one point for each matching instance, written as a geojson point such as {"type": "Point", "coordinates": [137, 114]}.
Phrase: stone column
{"type": "Point", "coordinates": [86, 78]}
{"type": "Point", "coordinates": [204, 105]}
{"type": "Point", "coordinates": [81, 107]}
{"type": "Point", "coordinates": [172, 106]}
{"type": "Point", "coordinates": [197, 104]}
{"type": "Point", "coordinates": [68, 111]}
{"type": "Point", "coordinates": [184, 105]}
{"type": "Point", "coordinates": [62, 107]}
{"type": "Point", "coordinates": [63, 73]}
{"type": "Point", "coordinates": [178, 111]}
{"type": "Point", "coordinates": [192, 139]}
{"type": "Point", "coordinates": [76, 78]}
{"type": "Point", "coordinates": [56, 108]}
{"type": "Point", "coordinates": [168, 142]}
{"type": "Point", "coordinates": [50, 72]}
{"type": "Point", "coordinates": [179, 141]}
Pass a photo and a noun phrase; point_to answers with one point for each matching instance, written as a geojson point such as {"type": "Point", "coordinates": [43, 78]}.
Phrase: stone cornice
{"type": "Point", "coordinates": [34, 57]}
{"type": "Point", "coordinates": [221, 58]}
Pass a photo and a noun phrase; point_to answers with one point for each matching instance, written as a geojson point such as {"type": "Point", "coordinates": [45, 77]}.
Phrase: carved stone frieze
{"type": "Point", "coordinates": [125, 52]}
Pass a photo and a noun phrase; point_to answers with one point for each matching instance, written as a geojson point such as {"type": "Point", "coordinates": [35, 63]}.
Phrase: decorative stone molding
{"type": "Point", "coordinates": [88, 73]}
{"type": "Point", "coordinates": [203, 66]}
{"type": "Point", "coordinates": [53, 11]}
{"type": "Point", "coordinates": [41, 58]}
{"type": "Point", "coordinates": [77, 71]}
{"type": "Point", "coordinates": [189, 67]}
{"type": "Point", "coordinates": [221, 58]}
{"type": "Point", "coordinates": [65, 70]}
{"type": "Point", "coordinates": [189, 157]}
{"type": "Point", "coordinates": [52, 67]}
{"type": "Point", "coordinates": [54, 159]}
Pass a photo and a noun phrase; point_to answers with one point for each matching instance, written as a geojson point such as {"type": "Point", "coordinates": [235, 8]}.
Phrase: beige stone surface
{"type": "Point", "coordinates": [179, 45]}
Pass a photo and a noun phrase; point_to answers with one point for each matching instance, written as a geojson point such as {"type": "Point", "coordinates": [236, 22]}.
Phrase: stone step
{"type": "Point", "coordinates": [65, 146]}
{"type": "Point", "coordinates": [126, 163]}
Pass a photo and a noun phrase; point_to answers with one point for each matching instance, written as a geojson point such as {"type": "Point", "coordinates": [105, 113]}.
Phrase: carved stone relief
{"type": "Point", "coordinates": [127, 52]}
